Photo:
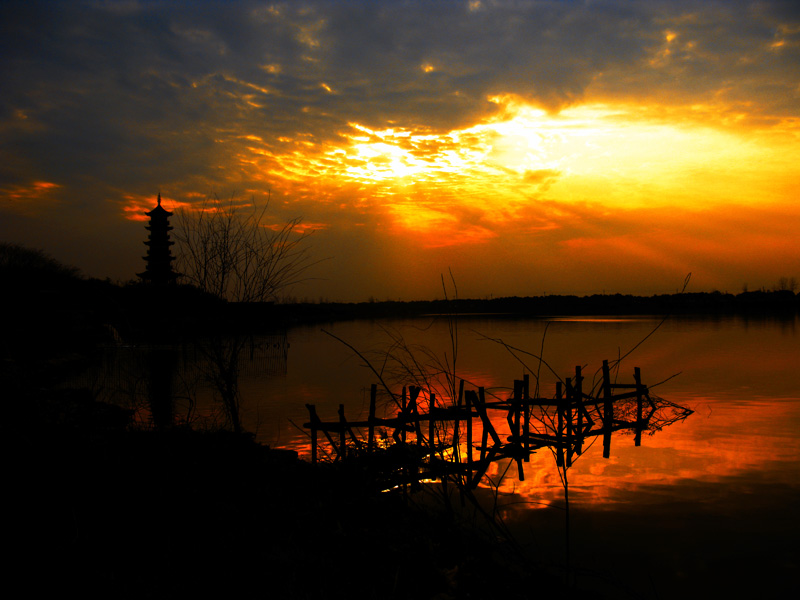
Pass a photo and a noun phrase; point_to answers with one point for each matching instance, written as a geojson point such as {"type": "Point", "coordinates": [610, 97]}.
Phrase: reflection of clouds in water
{"type": "Point", "coordinates": [747, 433]}
{"type": "Point", "coordinates": [759, 445]}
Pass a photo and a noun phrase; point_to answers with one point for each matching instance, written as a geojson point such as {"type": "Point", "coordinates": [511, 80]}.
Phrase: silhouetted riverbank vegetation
{"type": "Point", "coordinates": [53, 303]}
{"type": "Point", "coordinates": [116, 511]}
{"type": "Point", "coordinates": [783, 302]}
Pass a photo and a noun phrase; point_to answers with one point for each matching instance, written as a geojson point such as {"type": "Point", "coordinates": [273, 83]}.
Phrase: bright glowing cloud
{"type": "Point", "coordinates": [618, 157]}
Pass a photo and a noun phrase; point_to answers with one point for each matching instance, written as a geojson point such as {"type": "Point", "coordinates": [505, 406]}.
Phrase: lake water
{"type": "Point", "coordinates": [707, 507]}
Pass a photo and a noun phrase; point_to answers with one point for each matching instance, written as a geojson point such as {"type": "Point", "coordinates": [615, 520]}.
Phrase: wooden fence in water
{"type": "Point", "coordinates": [442, 442]}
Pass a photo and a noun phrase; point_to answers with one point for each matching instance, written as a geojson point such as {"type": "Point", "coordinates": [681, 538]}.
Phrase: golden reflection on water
{"type": "Point", "coordinates": [702, 508]}
{"type": "Point", "coordinates": [719, 442]}
{"type": "Point", "coordinates": [740, 378]}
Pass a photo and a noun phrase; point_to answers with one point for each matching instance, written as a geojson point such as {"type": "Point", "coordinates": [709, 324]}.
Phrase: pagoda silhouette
{"type": "Point", "coordinates": [158, 270]}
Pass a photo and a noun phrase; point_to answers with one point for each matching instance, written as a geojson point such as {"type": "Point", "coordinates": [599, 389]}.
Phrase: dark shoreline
{"type": "Point", "coordinates": [69, 311]}
{"type": "Point", "coordinates": [760, 303]}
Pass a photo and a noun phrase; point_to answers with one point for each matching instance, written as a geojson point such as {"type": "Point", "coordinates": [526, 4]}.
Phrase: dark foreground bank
{"type": "Point", "coordinates": [103, 510]}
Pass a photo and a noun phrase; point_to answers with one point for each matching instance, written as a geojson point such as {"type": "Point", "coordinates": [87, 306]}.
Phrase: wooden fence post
{"type": "Point", "coordinates": [457, 424]}
{"type": "Point", "coordinates": [526, 419]}
{"type": "Point", "coordinates": [608, 410]}
{"type": "Point", "coordinates": [637, 376]}
{"type": "Point", "coordinates": [485, 427]}
{"type": "Point", "coordinates": [569, 398]}
{"type": "Point", "coordinates": [516, 407]}
{"type": "Point", "coordinates": [404, 413]}
{"type": "Point", "coordinates": [488, 428]}
{"type": "Point", "coordinates": [560, 423]}
{"type": "Point", "coordinates": [413, 410]}
{"type": "Point", "coordinates": [514, 416]}
{"type": "Point", "coordinates": [432, 427]}
{"type": "Point", "coordinates": [579, 407]}
{"type": "Point", "coordinates": [468, 403]}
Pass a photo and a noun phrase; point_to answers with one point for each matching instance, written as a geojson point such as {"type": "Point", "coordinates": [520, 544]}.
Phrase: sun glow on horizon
{"type": "Point", "coordinates": [622, 156]}
{"type": "Point", "coordinates": [524, 144]}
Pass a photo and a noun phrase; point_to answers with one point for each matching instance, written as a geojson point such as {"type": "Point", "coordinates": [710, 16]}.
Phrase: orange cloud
{"type": "Point", "coordinates": [301, 227]}
{"type": "Point", "coordinates": [135, 206]}
{"type": "Point", "coordinates": [29, 199]}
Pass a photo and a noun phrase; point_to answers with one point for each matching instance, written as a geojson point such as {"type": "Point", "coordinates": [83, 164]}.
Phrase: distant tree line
{"type": "Point", "coordinates": [701, 303]}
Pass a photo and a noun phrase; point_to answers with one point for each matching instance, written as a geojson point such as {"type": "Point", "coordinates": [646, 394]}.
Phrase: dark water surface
{"type": "Point", "coordinates": [707, 507]}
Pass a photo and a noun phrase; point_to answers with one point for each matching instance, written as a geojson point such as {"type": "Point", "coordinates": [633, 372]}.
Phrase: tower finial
{"type": "Point", "coordinates": [159, 198]}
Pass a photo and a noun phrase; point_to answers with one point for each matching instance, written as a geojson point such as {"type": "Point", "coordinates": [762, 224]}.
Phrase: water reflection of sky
{"type": "Point", "coordinates": [740, 378]}
{"type": "Point", "coordinates": [724, 443]}
{"type": "Point", "coordinates": [706, 502]}
{"type": "Point", "coordinates": [701, 509]}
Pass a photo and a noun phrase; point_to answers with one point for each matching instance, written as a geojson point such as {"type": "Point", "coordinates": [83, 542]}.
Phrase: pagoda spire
{"type": "Point", "coordinates": [158, 269]}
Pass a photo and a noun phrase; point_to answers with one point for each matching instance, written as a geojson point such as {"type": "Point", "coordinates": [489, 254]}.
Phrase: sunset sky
{"type": "Point", "coordinates": [528, 147]}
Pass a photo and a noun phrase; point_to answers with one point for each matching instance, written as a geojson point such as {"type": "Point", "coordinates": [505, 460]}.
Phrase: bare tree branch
{"type": "Point", "coordinates": [229, 250]}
